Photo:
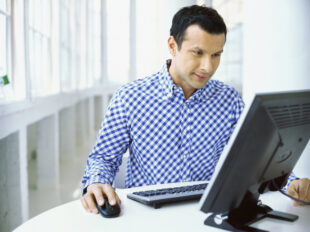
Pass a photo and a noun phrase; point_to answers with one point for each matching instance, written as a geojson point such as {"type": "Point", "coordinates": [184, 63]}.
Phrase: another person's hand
{"type": "Point", "coordinates": [95, 195]}
{"type": "Point", "coordinates": [300, 189]}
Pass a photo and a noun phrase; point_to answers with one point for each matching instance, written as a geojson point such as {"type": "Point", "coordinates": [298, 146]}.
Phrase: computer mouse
{"type": "Point", "coordinates": [108, 210]}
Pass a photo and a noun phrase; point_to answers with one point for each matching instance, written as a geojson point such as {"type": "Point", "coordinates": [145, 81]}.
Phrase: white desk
{"type": "Point", "coordinates": [138, 217]}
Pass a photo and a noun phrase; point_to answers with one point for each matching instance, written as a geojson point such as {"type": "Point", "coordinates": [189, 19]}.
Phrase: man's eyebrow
{"type": "Point", "coordinates": [221, 51]}
{"type": "Point", "coordinates": [198, 48]}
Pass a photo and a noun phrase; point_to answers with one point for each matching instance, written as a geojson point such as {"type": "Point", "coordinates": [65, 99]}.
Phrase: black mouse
{"type": "Point", "coordinates": [108, 210]}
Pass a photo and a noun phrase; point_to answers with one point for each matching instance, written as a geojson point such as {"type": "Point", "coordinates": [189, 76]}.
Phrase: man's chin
{"type": "Point", "coordinates": [200, 85]}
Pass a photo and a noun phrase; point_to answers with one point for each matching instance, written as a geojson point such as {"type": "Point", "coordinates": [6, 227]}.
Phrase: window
{"type": "Point", "coordinates": [118, 41]}
{"type": "Point", "coordinates": [5, 90]}
{"type": "Point", "coordinates": [66, 81]}
{"type": "Point", "coordinates": [94, 42]}
{"type": "Point", "coordinates": [76, 44]}
{"type": "Point", "coordinates": [79, 37]}
{"type": "Point", "coordinates": [3, 38]}
{"type": "Point", "coordinates": [39, 52]}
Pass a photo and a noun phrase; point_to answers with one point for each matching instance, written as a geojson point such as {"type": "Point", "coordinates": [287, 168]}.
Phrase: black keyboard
{"type": "Point", "coordinates": [158, 197]}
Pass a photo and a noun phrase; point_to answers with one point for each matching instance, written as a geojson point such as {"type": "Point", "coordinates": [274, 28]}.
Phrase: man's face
{"type": "Point", "coordinates": [197, 59]}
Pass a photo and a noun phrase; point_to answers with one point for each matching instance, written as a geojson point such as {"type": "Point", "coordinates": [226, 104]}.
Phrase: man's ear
{"type": "Point", "coordinates": [172, 45]}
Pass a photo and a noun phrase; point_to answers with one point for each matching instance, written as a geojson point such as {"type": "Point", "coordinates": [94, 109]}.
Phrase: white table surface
{"type": "Point", "coordinates": [137, 217]}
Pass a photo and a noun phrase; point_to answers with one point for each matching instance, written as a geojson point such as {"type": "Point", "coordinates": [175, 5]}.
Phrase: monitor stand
{"type": "Point", "coordinates": [250, 211]}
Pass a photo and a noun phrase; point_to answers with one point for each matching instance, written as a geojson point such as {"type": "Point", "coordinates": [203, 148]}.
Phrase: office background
{"type": "Point", "coordinates": [65, 58]}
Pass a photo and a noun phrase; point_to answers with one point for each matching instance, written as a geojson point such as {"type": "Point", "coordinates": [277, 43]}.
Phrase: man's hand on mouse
{"type": "Point", "coordinates": [95, 193]}
{"type": "Point", "coordinates": [300, 189]}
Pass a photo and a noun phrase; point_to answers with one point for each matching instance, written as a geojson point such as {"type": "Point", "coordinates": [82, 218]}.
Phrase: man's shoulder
{"type": "Point", "coordinates": [149, 85]}
{"type": "Point", "coordinates": [224, 90]}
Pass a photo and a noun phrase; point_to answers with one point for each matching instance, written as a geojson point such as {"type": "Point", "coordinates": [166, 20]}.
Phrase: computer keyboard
{"type": "Point", "coordinates": [158, 197]}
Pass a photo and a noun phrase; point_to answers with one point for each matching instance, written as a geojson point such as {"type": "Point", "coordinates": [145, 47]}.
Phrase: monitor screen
{"type": "Point", "coordinates": [268, 140]}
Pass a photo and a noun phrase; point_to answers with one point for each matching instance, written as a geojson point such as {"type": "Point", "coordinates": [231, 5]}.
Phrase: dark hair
{"type": "Point", "coordinates": [207, 18]}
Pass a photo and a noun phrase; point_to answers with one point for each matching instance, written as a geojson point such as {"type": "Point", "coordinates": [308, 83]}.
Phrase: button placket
{"type": "Point", "coordinates": [186, 139]}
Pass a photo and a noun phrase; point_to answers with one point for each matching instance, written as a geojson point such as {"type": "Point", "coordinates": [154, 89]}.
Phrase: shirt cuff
{"type": "Point", "coordinates": [289, 180]}
{"type": "Point", "coordinates": [96, 178]}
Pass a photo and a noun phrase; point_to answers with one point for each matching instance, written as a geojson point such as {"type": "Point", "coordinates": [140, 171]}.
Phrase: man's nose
{"type": "Point", "coordinates": [206, 65]}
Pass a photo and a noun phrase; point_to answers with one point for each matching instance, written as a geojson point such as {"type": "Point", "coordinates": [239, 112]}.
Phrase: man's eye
{"type": "Point", "coordinates": [217, 55]}
{"type": "Point", "coordinates": [198, 53]}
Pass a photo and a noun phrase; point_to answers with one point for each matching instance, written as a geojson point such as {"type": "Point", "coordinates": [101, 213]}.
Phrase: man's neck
{"type": "Point", "coordinates": [187, 90]}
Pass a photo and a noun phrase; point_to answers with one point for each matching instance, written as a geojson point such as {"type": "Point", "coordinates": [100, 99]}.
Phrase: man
{"type": "Point", "coordinates": [175, 123]}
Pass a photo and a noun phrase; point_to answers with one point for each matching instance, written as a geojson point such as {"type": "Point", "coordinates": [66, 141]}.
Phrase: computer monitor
{"type": "Point", "coordinates": [267, 142]}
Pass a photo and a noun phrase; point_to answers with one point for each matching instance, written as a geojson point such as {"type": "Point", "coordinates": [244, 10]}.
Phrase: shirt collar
{"type": "Point", "coordinates": [168, 86]}
{"type": "Point", "coordinates": [206, 92]}
{"type": "Point", "coordinates": [166, 81]}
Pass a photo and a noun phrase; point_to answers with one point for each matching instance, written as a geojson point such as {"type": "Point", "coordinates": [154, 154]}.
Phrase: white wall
{"type": "Point", "coordinates": [277, 51]}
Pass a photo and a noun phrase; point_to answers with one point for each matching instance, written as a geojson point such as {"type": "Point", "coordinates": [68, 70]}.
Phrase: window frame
{"type": "Point", "coordinates": [43, 37]}
{"type": "Point", "coordinates": [8, 59]}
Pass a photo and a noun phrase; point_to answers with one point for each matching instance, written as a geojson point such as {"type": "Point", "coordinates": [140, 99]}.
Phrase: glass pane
{"type": "Point", "coordinates": [96, 5]}
{"type": "Point", "coordinates": [45, 80]}
{"type": "Point", "coordinates": [31, 13]}
{"type": "Point", "coordinates": [35, 85]}
{"type": "Point", "coordinates": [94, 44]}
{"type": "Point", "coordinates": [37, 16]}
{"type": "Point", "coordinates": [64, 26]}
{"type": "Point", "coordinates": [3, 50]}
{"type": "Point", "coordinates": [64, 69]}
{"type": "Point", "coordinates": [118, 41]}
{"type": "Point", "coordinates": [3, 5]}
{"type": "Point", "coordinates": [77, 9]}
{"type": "Point", "coordinates": [66, 47]}
{"type": "Point", "coordinates": [96, 24]}
{"type": "Point", "coordinates": [97, 60]}
{"type": "Point", "coordinates": [77, 70]}
{"type": "Point", "coordinates": [97, 72]}
{"type": "Point", "coordinates": [31, 54]}
{"type": "Point", "coordinates": [44, 26]}
{"type": "Point", "coordinates": [39, 47]}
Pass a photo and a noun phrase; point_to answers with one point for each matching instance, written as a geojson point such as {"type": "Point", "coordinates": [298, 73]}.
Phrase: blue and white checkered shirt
{"type": "Point", "coordinates": [170, 139]}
